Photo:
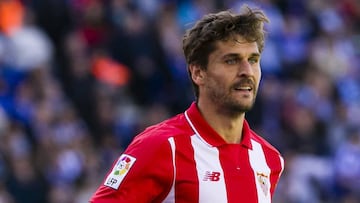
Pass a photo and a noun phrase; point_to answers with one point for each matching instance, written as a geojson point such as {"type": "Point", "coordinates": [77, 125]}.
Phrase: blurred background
{"type": "Point", "coordinates": [80, 78]}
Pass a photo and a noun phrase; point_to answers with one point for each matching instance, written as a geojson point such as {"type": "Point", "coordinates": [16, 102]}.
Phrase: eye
{"type": "Point", "coordinates": [231, 61]}
{"type": "Point", "coordinates": [253, 60]}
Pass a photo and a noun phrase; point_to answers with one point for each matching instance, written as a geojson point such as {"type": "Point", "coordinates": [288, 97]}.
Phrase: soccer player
{"type": "Point", "coordinates": [208, 153]}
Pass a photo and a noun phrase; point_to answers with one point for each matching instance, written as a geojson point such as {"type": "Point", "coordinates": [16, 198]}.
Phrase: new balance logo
{"type": "Point", "coordinates": [211, 176]}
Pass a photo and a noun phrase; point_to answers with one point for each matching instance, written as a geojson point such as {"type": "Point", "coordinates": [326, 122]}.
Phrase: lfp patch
{"type": "Point", "coordinates": [119, 171]}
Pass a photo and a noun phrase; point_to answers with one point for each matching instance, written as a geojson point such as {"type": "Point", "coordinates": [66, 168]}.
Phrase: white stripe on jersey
{"type": "Point", "coordinates": [282, 164]}
{"type": "Point", "coordinates": [171, 196]}
{"type": "Point", "coordinates": [212, 186]}
{"type": "Point", "coordinates": [261, 172]}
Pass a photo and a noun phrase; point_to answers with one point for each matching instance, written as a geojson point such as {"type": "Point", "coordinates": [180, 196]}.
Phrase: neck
{"type": "Point", "coordinates": [229, 127]}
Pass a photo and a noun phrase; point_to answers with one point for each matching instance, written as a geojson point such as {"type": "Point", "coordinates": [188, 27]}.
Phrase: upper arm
{"type": "Point", "coordinates": [144, 173]}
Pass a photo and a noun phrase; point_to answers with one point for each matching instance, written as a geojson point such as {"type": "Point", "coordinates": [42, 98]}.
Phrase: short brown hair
{"type": "Point", "coordinates": [199, 41]}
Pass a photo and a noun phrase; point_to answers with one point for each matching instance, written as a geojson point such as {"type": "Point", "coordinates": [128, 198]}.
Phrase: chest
{"type": "Point", "coordinates": [231, 173]}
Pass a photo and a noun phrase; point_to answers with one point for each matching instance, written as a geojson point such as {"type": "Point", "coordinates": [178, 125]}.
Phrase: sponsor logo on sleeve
{"type": "Point", "coordinates": [119, 171]}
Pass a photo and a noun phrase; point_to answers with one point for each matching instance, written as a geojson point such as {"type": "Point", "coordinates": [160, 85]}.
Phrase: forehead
{"type": "Point", "coordinates": [236, 44]}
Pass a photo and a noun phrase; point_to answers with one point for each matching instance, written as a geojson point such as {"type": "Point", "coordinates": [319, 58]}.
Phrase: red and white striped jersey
{"type": "Point", "coordinates": [184, 160]}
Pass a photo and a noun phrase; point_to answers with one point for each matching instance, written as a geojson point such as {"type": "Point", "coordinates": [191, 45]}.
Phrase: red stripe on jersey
{"type": "Point", "coordinates": [239, 176]}
{"type": "Point", "coordinates": [275, 162]}
{"type": "Point", "coordinates": [186, 187]}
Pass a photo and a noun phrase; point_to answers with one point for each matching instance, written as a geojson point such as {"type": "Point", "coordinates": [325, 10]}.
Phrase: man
{"type": "Point", "coordinates": [208, 153]}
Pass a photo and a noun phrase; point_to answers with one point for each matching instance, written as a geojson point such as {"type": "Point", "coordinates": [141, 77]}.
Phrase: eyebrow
{"type": "Point", "coordinates": [231, 55]}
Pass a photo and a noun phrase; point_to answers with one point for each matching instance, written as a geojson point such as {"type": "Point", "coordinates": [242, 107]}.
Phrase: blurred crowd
{"type": "Point", "coordinates": [80, 78]}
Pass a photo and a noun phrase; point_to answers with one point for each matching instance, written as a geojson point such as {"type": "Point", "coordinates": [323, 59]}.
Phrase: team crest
{"type": "Point", "coordinates": [263, 180]}
{"type": "Point", "coordinates": [119, 171]}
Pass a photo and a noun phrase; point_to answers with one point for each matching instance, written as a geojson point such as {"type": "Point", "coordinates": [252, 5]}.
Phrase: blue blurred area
{"type": "Point", "coordinates": [62, 126]}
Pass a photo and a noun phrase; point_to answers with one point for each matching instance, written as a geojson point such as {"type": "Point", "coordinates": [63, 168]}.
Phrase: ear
{"type": "Point", "coordinates": [197, 74]}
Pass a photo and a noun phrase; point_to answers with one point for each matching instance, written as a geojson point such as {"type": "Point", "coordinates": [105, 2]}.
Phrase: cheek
{"type": "Point", "coordinates": [257, 70]}
{"type": "Point", "coordinates": [257, 75]}
{"type": "Point", "coordinates": [215, 81]}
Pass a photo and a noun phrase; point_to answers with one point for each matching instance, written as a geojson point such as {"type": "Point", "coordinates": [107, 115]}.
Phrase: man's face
{"type": "Point", "coordinates": [232, 76]}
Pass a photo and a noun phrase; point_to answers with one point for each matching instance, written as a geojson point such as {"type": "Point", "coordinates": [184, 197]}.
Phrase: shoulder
{"type": "Point", "coordinates": [273, 157]}
{"type": "Point", "coordinates": [264, 143]}
{"type": "Point", "coordinates": [157, 136]}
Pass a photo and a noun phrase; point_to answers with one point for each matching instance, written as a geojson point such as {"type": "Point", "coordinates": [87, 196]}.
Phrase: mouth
{"type": "Point", "coordinates": [245, 85]}
{"type": "Point", "coordinates": [244, 88]}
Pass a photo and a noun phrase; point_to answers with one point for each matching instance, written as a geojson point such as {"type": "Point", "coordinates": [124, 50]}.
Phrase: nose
{"type": "Point", "coordinates": [245, 69]}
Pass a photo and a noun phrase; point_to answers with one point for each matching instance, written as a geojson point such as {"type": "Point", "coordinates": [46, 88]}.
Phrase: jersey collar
{"type": "Point", "coordinates": [207, 133]}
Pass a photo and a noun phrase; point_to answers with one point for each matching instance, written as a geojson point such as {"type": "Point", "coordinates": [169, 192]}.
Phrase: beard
{"type": "Point", "coordinates": [227, 103]}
